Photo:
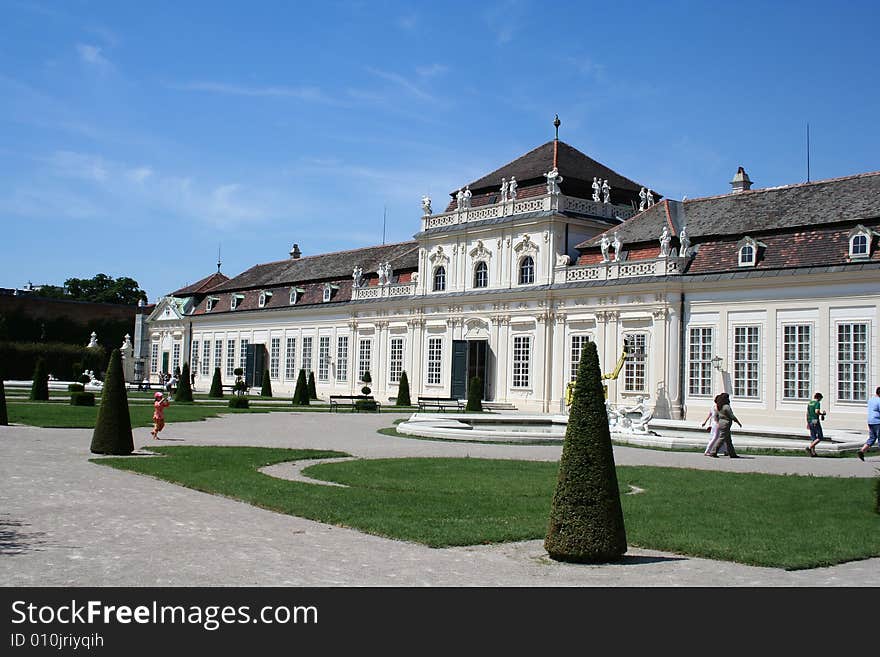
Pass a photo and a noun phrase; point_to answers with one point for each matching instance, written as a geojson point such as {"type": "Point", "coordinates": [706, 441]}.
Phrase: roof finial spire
{"type": "Point", "coordinates": [556, 123]}
{"type": "Point", "coordinates": [219, 262]}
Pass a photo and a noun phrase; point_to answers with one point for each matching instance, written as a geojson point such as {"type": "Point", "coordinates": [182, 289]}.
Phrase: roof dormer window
{"type": "Point", "coordinates": [860, 239]}
{"type": "Point", "coordinates": [295, 294]}
{"type": "Point", "coordinates": [328, 291]}
{"type": "Point", "coordinates": [747, 250]}
{"type": "Point", "coordinates": [265, 295]}
{"type": "Point", "coordinates": [236, 301]}
{"type": "Point", "coordinates": [211, 304]}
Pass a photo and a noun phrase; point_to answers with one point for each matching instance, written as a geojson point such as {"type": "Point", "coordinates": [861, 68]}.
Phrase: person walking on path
{"type": "Point", "coordinates": [725, 419]}
{"type": "Point", "coordinates": [873, 424]}
{"type": "Point", "coordinates": [712, 419]}
{"type": "Point", "coordinates": [814, 414]}
{"type": "Point", "coordinates": [159, 407]}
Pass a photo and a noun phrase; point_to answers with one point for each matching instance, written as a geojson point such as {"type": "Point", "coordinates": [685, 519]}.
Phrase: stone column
{"type": "Point", "coordinates": [379, 370]}
{"type": "Point", "coordinates": [674, 328]}
{"type": "Point", "coordinates": [556, 362]}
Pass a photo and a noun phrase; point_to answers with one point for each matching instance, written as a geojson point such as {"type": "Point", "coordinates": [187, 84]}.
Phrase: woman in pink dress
{"type": "Point", "coordinates": [159, 407]}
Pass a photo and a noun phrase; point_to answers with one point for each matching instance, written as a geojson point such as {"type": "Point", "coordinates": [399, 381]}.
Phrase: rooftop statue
{"type": "Point", "coordinates": [503, 190]}
{"type": "Point", "coordinates": [664, 242]}
{"type": "Point", "coordinates": [597, 189]}
{"type": "Point", "coordinates": [650, 197]}
{"type": "Point", "coordinates": [643, 199]}
{"type": "Point", "coordinates": [618, 247]}
{"type": "Point", "coordinates": [605, 244]}
{"type": "Point", "coordinates": [553, 180]}
{"type": "Point", "coordinates": [606, 191]}
{"type": "Point", "coordinates": [511, 189]}
{"type": "Point", "coordinates": [466, 198]}
{"type": "Point", "coordinates": [685, 242]}
{"type": "Point", "coordinates": [426, 206]}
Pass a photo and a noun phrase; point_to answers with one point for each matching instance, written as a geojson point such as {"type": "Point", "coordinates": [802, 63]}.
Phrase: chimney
{"type": "Point", "coordinates": [741, 182]}
{"type": "Point", "coordinates": [295, 253]}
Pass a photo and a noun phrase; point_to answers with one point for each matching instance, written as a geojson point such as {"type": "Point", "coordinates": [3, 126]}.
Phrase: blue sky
{"type": "Point", "coordinates": [136, 137]}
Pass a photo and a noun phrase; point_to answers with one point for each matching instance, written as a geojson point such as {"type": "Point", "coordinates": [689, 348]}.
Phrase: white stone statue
{"type": "Point", "coordinates": [604, 244]}
{"type": "Point", "coordinates": [606, 191]}
{"type": "Point", "coordinates": [643, 199]}
{"type": "Point", "coordinates": [553, 180]}
{"type": "Point", "coordinates": [563, 259]}
{"type": "Point", "coordinates": [414, 277]}
{"type": "Point", "coordinates": [93, 341]}
{"type": "Point", "coordinates": [426, 206]}
{"type": "Point", "coordinates": [466, 198]}
{"type": "Point", "coordinates": [384, 272]}
{"type": "Point", "coordinates": [618, 247]}
{"type": "Point", "coordinates": [597, 189]}
{"type": "Point", "coordinates": [388, 273]}
{"type": "Point", "coordinates": [504, 190]}
{"type": "Point", "coordinates": [459, 199]}
{"type": "Point", "coordinates": [685, 242]}
{"type": "Point", "coordinates": [664, 242]}
{"type": "Point", "coordinates": [511, 189]}
{"type": "Point", "coordinates": [357, 275]}
{"type": "Point", "coordinates": [650, 198]}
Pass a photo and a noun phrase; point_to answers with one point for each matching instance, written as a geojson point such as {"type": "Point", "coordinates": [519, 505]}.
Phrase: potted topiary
{"type": "Point", "coordinates": [366, 404]}
{"type": "Point", "coordinates": [239, 390]}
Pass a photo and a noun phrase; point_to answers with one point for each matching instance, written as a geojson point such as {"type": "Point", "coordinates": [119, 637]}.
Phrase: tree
{"type": "Point", "coordinates": [313, 392]}
{"type": "Point", "coordinates": [184, 386]}
{"type": "Point", "coordinates": [586, 519]}
{"type": "Point", "coordinates": [403, 391]}
{"type": "Point", "coordinates": [113, 428]}
{"type": "Point", "coordinates": [266, 391]}
{"type": "Point", "coordinates": [301, 392]}
{"type": "Point", "coordinates": [4, 418]}
{"type": "Point", "coordinates": [367, 379]}
{"type": "Point", "coordinates": [40, 385]}
{"type": "Point", "coordinates": [475, 396]}
{"type": "Point", "coordinates": [216, 385]}
{"type": "Point", "coordinates": [105, 289]}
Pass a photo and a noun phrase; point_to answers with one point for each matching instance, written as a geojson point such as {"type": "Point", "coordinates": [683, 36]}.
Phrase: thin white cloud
{"type": "Point", "coordinates": [91, 55]}
{"type": "Point", "coordinates": [503, 19]}
{"type": "Point", "coordinates": [403, 83]}
{"type": "Point", "coordinates": [140, 174]}
{"type": "Point", "coordinates": [81, 166]}
{"type": "Point", "coordinates": [311, 94]}
{"type": "Point", "coordinates": [432, 70]}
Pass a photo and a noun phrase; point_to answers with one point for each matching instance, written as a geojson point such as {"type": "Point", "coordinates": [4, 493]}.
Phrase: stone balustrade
{"type": "Point", "coordinates": [614, 270]}
{"type": "Point", "coordinates": [545, 203]}
{"type": "Point", "coordinates": [383, 291]}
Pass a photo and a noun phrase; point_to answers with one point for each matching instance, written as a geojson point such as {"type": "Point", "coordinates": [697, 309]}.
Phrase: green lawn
{"type": "Point", "coordinates": [766, 520]}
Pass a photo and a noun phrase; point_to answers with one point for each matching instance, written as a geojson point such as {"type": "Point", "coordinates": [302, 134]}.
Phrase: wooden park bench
{"type": "Point", "coordinates": [440, 403]}
{"type": "Point", "coordinates": [352, 402]}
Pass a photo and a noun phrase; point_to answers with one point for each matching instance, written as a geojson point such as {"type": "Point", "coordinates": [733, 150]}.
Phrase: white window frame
{"type": "Point", "coordinates": [575, 351]}
{"type": "Point", "coordinates": [243, 345]}
{"type": "Point", "coordinates": [746, 365]}
{"type": "Point", "coordinates": [860, 365]}
{"type": "Point", "coordinates": [341, 358]}
{"type": "Point", "coordinates": [265, 295]}
{"type": "Point", "coordinates": [522, 269]}
{"type": "Point", "coordinates": [635, 366]}
{"type": "Point", "coordinates": [521, 362]}
{"type": "Point", "coordinates": [700, 354]}
{"type": "Point", "coordinates": [365, 357]}
{"type": "Point", "coordinates": [434, 366]}
{"type": "Point", "coordinates": [797, 370]}
{"type": "Point", "coordinates": [749, 261]}
{"type": "Point", "coordinates": [290, 371]}
{"type": "Point", "coordinates": [481, 268]}
{"type": "Point", "coordinates": [863, 238]}
{"type": "Point", "coordinates": [235, 300]}
{"type": "Point", "coordinates": [323, 358]}
{"type": "Point", "coordinates": [194, 358]}
{"type": "Point", "coordinates": [307, 343]}
{"type": "Point", "coordinates": [230, 357]}
{"type": "Point", "coordinates": [218, 353]}
{"type": "Point", "coordinates": [439, 270]}
{"type": "Point", "coordinates": [395, 359]}
{"type": "Point", "coordinates": [205, 368]}
{"type": "Point", "coordinates": [274, 358]}
{"type": "Point", "coordinates": [175, 356]}
{"type": "Point", "coordinates": [154, 357]}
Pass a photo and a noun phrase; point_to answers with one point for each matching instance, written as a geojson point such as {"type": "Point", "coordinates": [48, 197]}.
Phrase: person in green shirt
{"type": "Point", "coordinates": [814, 414]}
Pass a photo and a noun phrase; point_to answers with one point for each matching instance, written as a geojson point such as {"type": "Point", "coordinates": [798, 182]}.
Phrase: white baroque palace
{"type": "Point", "coordinates": [768, 294]}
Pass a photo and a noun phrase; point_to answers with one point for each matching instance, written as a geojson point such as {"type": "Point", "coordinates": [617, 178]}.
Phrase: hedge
{"type": "Point", "coordinates": [62, 360]}
{"type": "Point", "coordinates": [82, 399]}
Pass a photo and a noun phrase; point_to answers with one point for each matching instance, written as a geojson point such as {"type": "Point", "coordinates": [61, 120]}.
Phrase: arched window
{"type": "Point", "coordinates": [527, 271]}
{"type": "Point", "coordinates": [481, 275]}
{"type": "Point", "coordinates": [746, 255]}
{"type": "Point", "coordinates": [440, 279]}
{"type": "Point", "coordinates": [858, 246]}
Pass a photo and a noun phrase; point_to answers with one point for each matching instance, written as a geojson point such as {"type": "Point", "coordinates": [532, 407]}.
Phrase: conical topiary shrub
{"type": "Point", "coordinates": [40, 386]}
{"type": "Point", "coordinates": [266, 390]}
{"type": "Point", "coordinates": [216, 385]}
{"type": "Point", "coordinates": [4, 418]}
{"type": "Point", "coordinates": [403, 391]}
{"type": "Point", "coordinates": [301, 392]}
{"type": "Point", "coordinates": [313, 391]}
{"type": "Point", "coordinates": [184, 386]}
{"type": "Point", "coordinates": [475, 396]}
{"type": "Point", "coordinates": [586, 519]}
{"type": "Point", "coordinates": [113, 428]}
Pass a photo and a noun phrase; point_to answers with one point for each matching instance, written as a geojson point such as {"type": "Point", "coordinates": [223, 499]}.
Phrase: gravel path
{"type": "Point", "coordinates": [67, 522]}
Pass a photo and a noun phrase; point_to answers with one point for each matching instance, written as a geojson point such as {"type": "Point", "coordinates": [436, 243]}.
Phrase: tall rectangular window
{"type": "Point", "coordinates": [852, 361]}
{"type": "Point", "coordinates": [243, 354]}
{"type": "Point", "coordinates": [218, 354]}
{"type": "Point", "coordinates": [307, 356]}
{"type": "Point", "coordinates": [290, 372]}
{"type": "Point", "coordinates": [700, 361]}
{"type": "Point", "coordinates": [522, 352]}
{"type": "Point", "coordinates": [746, 360]}
{"type": "Point", "coordinates": [274, 358]}
{"type": "Point", "coordinates": [796, 361]}
{"type": "Point", "coordinates": [175, 357]}
{"type": "Point", "coordinates": [435, 360]}
{"type": "Point", "coordinates": [395, 363]}
{"type": "Point", "coordinates": [636, 364]}
{"type": "Point", "coordinates": [342, 358]}
{"type": "Point", "coordinates": [578, 342]}
{"type": "Point", "coordinates": [154, 357]}
{"type": "Point", "coordinates": [230, 358]}
{"type": "Point", "coordinates": [324, 358]}
{"type": "Point", "coordinates": [194, 359]}
{"type": "Point", "coordinates": [206, 359]}
{"type": "Point", "coordinates": [365, 351]}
